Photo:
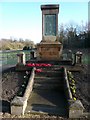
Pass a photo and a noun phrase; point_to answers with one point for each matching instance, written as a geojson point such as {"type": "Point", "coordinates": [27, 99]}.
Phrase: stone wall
{"type": "Point", "coordinates": [75, 106]}
{"type": "Point", "coordinates": [19, 104]}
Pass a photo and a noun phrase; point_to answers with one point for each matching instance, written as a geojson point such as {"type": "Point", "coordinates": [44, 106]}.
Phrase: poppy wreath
{"type": "Point", "coordinates": [38, 65]}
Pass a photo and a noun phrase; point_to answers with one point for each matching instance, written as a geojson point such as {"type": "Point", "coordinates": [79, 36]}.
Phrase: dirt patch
{"type": "Point", "coordinates": [11, 82]}
{"type": "Point", "coordinates": [83, 86]}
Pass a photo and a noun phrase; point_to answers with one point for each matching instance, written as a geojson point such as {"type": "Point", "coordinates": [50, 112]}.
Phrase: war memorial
{"type": "Point", "coordinates": [49, 48]}
{"type": "Point", "coordinates": [48, 85]}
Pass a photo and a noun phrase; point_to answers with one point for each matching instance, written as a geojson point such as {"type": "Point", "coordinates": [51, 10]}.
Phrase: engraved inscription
{"type": "Point", "coordinates": [50, 25]}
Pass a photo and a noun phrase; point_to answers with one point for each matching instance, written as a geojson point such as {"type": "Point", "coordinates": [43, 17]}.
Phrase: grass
{"type": "Point", "coordinates": [86, 59]}
{"type": "Point", "coordinates": [10, 58]}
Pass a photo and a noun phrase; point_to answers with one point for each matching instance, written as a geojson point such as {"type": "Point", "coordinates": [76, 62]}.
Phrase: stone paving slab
{"type": "Point", "coordinates": [47, 101]}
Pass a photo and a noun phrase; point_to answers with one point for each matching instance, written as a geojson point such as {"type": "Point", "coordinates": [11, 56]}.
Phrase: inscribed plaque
{"type": "Point", "coordinates": [50, 25]}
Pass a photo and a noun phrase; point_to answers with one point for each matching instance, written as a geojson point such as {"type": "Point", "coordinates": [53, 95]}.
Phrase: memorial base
{"type": "Point", "coordinates": [49, 51]}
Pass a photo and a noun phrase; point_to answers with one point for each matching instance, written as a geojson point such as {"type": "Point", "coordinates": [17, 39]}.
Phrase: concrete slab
{"type": "Point", "coordinates": [47, 101]}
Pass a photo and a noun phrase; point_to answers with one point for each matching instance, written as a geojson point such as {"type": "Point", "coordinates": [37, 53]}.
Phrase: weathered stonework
{"type": "Point", "coordinates": [75, 109]}
{"type": "Point", "coordinates": [52, 9]}
{"type": "Point", "coordinates": [49, 38]}
{"type": "Point", "coordinates": [21, 59]}
{"type": "Point", "coordinates": [66, 86]}
{"type": "Point", "coordinates": [49, 48]}
{"type": "Point", "coordinates": [49, 51]}
{"type": "Point", "coordinates": [75, 106]}
{"type": "Point", "coordinates": [19, 104]}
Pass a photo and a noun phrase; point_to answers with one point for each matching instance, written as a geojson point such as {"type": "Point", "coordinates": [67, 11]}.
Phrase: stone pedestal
{"type": "Point", "coordinates": [78, 57]}
{"type": "Point", "coordinates": [49, 51]}
{"type": "Point", "coordinates": [75, 109]}
{"type": "Point", "coordinates": [77, 60]}
{"type": "Point", "coordinates": [21, 58]}
{"type": "Point", "coordinates": [49, 48]}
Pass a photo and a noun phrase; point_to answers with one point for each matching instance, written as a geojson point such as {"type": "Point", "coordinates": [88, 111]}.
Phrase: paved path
{"type": "Point", "coordinates": [47, 102]}
{"type": "Point", "coordinates": [48, 95]}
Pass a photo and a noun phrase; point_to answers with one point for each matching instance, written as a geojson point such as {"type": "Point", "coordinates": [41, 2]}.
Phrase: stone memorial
{"type": "Point", "coordinates": [49, 48]}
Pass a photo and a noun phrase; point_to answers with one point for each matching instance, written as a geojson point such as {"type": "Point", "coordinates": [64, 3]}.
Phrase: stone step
{"type": "Point", "coordinates": [46, 109]}
{"type": "Point", "coordinates": [47, 101]}
{"type": "Point", "coordinates": [47, 86]}
{"type": "Point", "coordinates": [48, 80]}
{"type": "Point", "coordinates": [49, 74]}
{"type": "Point", "coordinates": [52, 69]}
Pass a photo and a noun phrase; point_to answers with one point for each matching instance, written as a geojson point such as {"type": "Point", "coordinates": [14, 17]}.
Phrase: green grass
{"type": "Point", "coordinates": [86, 59]}
{"type": "Point", "coordinates": [10, 58]}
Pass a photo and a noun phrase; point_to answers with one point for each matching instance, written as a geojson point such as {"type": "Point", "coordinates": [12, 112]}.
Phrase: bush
{"type": "Point", "coordinates": [26, 48]}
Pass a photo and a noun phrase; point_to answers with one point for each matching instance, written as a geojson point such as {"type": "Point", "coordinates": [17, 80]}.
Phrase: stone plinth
{"type": "Point", "coordinates": [79, 57]}
{"type": "Point", "coordinates": [49, 48]}
{"type": "Point", "coordinates": [49, 51]}
{"type": "Point", "coordinates": [75, 109]}
{"type": "Point", "coordinates": [19, 104]}
{"type": "Point", "coordinates": [21, 58]}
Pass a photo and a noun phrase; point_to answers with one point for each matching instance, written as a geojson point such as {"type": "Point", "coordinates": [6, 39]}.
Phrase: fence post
{"type": "Point", "coordinates": [21, 58]}
{"type": "Point", "coordinates": [78, 57]}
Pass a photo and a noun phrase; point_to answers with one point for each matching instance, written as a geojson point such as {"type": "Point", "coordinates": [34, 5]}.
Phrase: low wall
{"type": "Point", "coordinates": [19, 104]}
{"type": "Point", "coordinates": [75, 106]}
{"type": "Point", "coordinates": [66, 86]}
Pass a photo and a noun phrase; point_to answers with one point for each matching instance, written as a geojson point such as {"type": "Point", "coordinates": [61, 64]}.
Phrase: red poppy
{"type": "Point", "coordinates": [38, 64]}
{"type": "Point", "coordinates": [38, 70]}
